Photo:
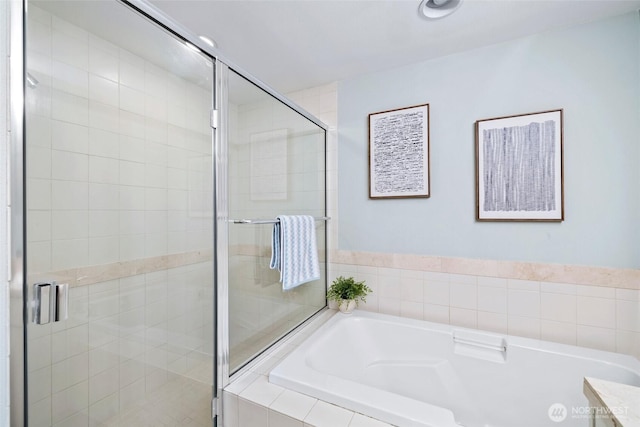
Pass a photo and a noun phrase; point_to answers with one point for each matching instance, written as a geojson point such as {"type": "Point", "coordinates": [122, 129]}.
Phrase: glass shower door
{"type": "Point", "coordinates": [276, 167]}
{"type": "Point", "coordinates": [119, 212]}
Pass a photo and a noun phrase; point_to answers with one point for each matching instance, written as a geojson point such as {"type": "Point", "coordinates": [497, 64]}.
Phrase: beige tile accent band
{"type": "Point", "coordinates": [558, 273]}
{"type": "Point", "coordinates": [90, 275]}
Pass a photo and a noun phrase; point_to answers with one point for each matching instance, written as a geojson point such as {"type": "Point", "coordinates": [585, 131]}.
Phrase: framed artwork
{"type": "Point", "coordinates": [519, 174]}
{"type": "Point", "coordinates": [399, 153]}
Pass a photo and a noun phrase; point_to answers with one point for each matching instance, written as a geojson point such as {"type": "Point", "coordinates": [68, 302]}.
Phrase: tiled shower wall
{"type": "Point", "coordinates": [584, 306]}
{"type": "Point", "coordinates": [119, 206]}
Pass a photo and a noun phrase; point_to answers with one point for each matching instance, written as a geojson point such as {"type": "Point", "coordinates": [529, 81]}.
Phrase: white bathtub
{"type": "Point", "coordinates": [413, 373]}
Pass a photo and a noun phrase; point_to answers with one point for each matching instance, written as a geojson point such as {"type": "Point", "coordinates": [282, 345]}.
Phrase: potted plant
{"type": "Point", "coordinates": [347, 293]}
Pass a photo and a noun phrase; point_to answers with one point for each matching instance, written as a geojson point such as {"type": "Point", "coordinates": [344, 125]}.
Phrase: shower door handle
{"type": "Point", "coordinates": [42, 303]}
{"type": "Point", "coordinates": [60, 301]}
{"type": "Point", "coordinates": [50, 302]}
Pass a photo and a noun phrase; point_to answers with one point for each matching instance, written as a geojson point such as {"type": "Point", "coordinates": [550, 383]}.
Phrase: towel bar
{"type": "Point", "coordinates": [269, 221]}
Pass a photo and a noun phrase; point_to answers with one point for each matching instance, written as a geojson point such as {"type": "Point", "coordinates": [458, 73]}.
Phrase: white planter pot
{"type": "Point", "coordinates": [347, 305]}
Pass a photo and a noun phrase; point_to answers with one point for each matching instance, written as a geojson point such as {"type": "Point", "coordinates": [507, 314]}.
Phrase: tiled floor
{"type": "Point", "coordinates": [183, 401]}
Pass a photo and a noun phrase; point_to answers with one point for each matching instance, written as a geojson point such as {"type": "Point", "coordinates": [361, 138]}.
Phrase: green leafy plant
{"type": "Point", "coordinates": [348, 288]}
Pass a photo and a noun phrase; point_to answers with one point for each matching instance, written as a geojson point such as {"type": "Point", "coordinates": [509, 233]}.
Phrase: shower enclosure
{"type": "Point", "coordinates": [143, 186]}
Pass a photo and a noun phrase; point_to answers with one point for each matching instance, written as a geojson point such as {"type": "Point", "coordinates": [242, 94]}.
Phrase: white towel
{"type": "Point", "coordinates": [294, 250]}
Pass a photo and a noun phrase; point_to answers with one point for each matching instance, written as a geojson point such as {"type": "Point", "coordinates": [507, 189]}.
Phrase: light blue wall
{"type": "Point", "coordinates": [591, 71]}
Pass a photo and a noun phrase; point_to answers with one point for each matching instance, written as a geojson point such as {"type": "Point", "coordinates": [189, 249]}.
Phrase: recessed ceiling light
{"type": "Point", "coordinates": [212, 43]}
{"type": "Point", "coordinates": [436, 9]}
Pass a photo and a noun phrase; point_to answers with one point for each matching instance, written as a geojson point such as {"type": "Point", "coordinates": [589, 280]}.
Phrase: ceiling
{"type": "Point", "coordinates": [296, 44]}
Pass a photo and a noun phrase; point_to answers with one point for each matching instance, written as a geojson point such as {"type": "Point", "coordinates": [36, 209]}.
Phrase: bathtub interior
{"type": "Point", "coordinates": [483, 379]}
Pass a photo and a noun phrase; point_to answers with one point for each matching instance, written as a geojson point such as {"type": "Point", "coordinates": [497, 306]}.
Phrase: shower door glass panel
{"type": "Point", "coordinates": [276, 167]}
{"type": "Point", "coordinates": [119, 207]}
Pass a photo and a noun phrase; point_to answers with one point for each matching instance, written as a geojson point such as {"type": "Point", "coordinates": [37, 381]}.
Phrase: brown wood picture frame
{"type": "Point", "coordinates": [519, 167]}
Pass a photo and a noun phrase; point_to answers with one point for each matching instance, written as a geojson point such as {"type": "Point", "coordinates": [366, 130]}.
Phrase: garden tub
{"type": "Point", "coordinates": [414, 373]}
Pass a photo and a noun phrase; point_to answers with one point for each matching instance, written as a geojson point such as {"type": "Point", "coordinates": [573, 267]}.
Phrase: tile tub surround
{"type": "Point", "coordinates": [603, 317]}
{"type": "Point", "coordinates": [251, 401]}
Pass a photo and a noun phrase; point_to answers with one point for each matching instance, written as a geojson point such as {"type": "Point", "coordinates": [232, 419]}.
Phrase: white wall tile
{"type": "Point", "coordinates": [104, 223]}
{"type": "Point", "coordinates": [595, 311]}
{"type": "Point", "coordinates": [103, 90]}
{"type": "Point", "coordinates": [69, 195]}
{"type": "Point", "coordinates": [104, 197]}
{"type": "Point", "coordinates": [104, 170]}
{"type": "Point", "coordinates": [558, 288]}
{"type": "Point", "coordinates": [524, 326]}
{"type": "Point", "coordinates": [69, 137]}
{"type": "Point", "coordinates": [280, 420]}
{"type": "Point", "coordinates": [68, 254]}
{"type": "Point", "coordinates": [463, 317]}
{"type": "Point", "coordinates": [411, 289]}
{"type": "Point", "coordinates": [293, 404]}
{"type": "Point", "coordinates": [104, 250]}
{"type": "Point", "coordinates": [39, 226]}
{"type": "Point", "coordinates": [389, 305]}
{"type": "Point", "coordinates": [251, 414]}
{"type": "Point", "coordinates": [39, 194]}
{"type": "Point", "coordinates": [70, 79]}
{"type": "Point", "coordinates": [39, 162]}
{"type": "Point", "coordinates": [595, 291]}
{"type": "Point", "coordinates": [492, 299]}
{"type": "Point", "coordinates": [558, 307]}
{"type": "Point", "coordinates": [131, 173]}
{"type": "Point", "coordinates": [104, 64]}
{"type": "Point", "coordinates": [411, 309]}
{"type": "Point", "coordinates": [463, 295]}
{"type": "Point", "coordinates": [628, 315]}
{"type": "Point", "coordinates": [132, 100]}
{"type": "Point", "coordinates": [595, 337]}
{"type": "Point", "coordinates": [70, 50]}
{"type": "Point", "coordinates": [493, 322]}
{"type": "Point", "coordinates": [562, 332]}
{"type": "Point", "coordinates": [131, 124]}
{"type": "Point", "coordinates": [69, 166]}
{"type": "Point", "coordinates": [495, 282]}
{"type": "Point", "coordinates": [523, 285]}
{"type": "Point", "coordinates": [70, 108]}
{"type": "Point", "coordinates": [524, 303]}
{"type": "Point", "coordinates": [103, 143]}
{"type": "Point", "coordinates": [326, 415]}
{"type": "Point", "coordinates": [70, 224]}
{"type": "Point", "coordinates": [628, 342]}
{"type": "Point", "coordinates": [131, 75]}
{"type": "Point", "coordinates": [436, 313]}
{"type": "Point", "coordinates": [628, 294]}
{"type": "Point", "coordinates": [103, 116]}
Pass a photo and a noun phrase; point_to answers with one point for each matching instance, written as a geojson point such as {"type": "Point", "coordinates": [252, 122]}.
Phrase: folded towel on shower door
{"type": "Point", "coordinates": [294, 250]}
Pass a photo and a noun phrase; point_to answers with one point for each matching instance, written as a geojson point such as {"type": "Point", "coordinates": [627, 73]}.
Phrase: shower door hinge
{"type": "Point", "coordinates": [214, 407]}
{"type": "Point", "coordinates": [214, 119]}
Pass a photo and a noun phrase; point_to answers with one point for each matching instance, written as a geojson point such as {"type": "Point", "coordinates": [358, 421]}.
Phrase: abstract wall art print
{"type": "Point", "coordinates": [519, 175]}
{"type": "Point", "coordinates": [399, 153]}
